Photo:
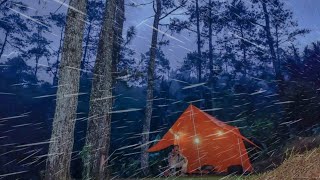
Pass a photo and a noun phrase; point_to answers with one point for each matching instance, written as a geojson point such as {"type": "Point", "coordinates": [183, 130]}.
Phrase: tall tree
{"type": "Point", "coordinates": [60, 22]}
{"type": "Point", "coordinates": [271, 43]}
{"type": "Point", "coordinates": [61, 143]}
{"type": "Point", "coordinates": [198, 41]}
{"type": "Point", "coordinates": [212, 25]}
{"type": "Point", "coordinates": [99, 121]}
{"type": "Point", "coordinates": [162, 9]}
{"type": "Point", "coordinates": [150, 86]}
{"type": "Point", "coordinates": [277, 28]}
{"type": "Point", "coordinates": [238, 20]}
{"type": "Point", "coordinates": [118, 40]}
{"type": "Point", "coordinates": [195, 13]}
{"type": "Point", "coordinates": [41, 44]}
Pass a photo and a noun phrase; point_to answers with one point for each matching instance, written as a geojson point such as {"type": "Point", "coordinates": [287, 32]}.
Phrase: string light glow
{"type": "Point", "coordinates": [196, 140]}
{"type": "Point", "coordinates": [176, 136]}
{"type": "Point", "coordinates": [220, 133]}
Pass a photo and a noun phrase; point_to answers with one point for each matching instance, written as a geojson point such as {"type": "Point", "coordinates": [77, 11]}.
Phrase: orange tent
{"type": "Point", "coordinates": [206, 141]}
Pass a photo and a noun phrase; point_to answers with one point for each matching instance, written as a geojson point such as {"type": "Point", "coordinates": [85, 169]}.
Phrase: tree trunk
{"type": "Point", "coordinates": [150, 86]}
{"type": "Point", "coordinates": [61, 143]}
{"type": "Point", "coordinates": [199, 42]}
{"type": "Point", "coordinates": [275, 61]}
{"type": "Point", "coordinates": [37, 53]}
{"type": "Point", "coordinates": [271, 44]}
{"type": "Point", "coordinates": [55, 76]}
{"type": "Point", "coordinates": [117, 38]}
{"type": "Point", "coordinates": [211, 76]}
{"type": "Point", "coordinates": [4, 43]}
{"type": "Point", "coordinates": [278, 48]}
{"type": "Point", "coordinates": [99, 121]}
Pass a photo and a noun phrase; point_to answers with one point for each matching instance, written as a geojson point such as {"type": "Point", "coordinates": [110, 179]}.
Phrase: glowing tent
{"type": "Point", "coordinates": [206, 141]}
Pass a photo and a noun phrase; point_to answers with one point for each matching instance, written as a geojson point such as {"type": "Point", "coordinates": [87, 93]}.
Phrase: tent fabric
{"type": "Point", "coordinates": [206, 141]}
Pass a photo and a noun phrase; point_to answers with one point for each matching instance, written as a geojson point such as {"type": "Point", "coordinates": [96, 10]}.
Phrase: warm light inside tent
{"type": "Point", "coordinates": [220, 133]}
{"type": "Point", "coordinates": [176, 136]}
{"type": "Point", "coordinates": [196, 140]}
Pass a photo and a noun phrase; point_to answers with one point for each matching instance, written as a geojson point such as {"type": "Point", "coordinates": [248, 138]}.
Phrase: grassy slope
{"type": "Point", "coordinates": [299, 166]}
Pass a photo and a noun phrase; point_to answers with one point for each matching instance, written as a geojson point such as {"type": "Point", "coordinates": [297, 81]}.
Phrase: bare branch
{"type": "Point", "coordinates": [173, 10]}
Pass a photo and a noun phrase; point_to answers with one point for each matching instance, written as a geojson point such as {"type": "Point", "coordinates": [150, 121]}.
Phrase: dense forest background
{"type": "Point", "coordinates": [247, 68]}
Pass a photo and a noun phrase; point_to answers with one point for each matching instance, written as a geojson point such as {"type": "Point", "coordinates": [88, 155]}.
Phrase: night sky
{"type": "Point", "coordinates": [306, 12]}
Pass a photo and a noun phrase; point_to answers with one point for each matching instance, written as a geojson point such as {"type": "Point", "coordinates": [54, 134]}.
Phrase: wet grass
{"type": "Point", "coordinates": [297, 166]}
{"type": "Point", "coordinates": [208, 178]}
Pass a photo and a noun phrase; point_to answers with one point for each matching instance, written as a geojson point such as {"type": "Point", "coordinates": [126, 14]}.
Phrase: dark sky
{"type": "Point", "coordinates": [306, 12]}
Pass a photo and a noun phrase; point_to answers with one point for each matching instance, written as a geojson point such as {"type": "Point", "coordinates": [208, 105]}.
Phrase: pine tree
{"type": "Point", "coordinates": [61, 143]}
{"type": "Point", "coordinates": [14, 27]}
{"type": "Point", "coordinates": [41, 44]}
{"type": "Point", "coordinates": [162, 9]}
{"type": "Point", "coordinates": [99, 120]}
{"type": "Point", "coordinates": [60, 22]}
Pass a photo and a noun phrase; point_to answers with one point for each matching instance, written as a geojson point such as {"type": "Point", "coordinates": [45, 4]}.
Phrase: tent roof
{"type": "Point", "coordinates": [168, 139]}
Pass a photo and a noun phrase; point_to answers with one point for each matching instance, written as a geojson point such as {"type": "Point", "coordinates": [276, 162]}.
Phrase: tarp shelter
{"type": "Point", "coordinates": [206, 141]}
